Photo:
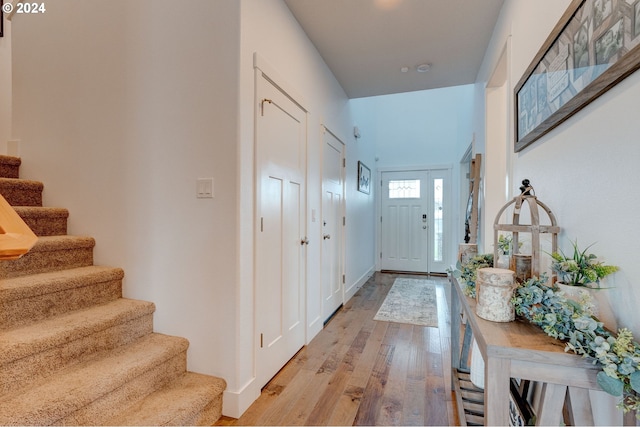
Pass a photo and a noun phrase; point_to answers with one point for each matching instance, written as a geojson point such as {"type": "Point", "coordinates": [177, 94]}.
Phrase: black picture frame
{"type": "Point", "coordinates": [364, 178]}
{"type": "Point", "coordinates": [1, 19]}
{"type": "Point", "coordinates": [569, 71]}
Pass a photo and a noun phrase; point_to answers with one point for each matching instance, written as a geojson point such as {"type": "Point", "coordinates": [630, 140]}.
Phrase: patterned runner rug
{"type": "Point", "coordinates": [410, 301]}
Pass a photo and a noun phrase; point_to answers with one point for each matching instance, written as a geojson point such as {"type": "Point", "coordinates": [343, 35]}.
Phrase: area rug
{"type": "Point", "coordinates": [410, 301]}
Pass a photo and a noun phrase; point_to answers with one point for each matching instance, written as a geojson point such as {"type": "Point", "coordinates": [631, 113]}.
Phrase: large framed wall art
{"type": "Point", "coordinates": [594, 46]}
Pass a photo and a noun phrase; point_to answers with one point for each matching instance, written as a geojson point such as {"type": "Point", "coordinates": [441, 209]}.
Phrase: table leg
{"type": "Point", "coordinates": [496, 391]}
{"type": "Point", "coordinates": [552, 401]}
{"type": "Point", "coordinates": [455, 327]}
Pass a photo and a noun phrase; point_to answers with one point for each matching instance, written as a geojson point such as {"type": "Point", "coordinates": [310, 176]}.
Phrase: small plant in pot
{"type": "Point", "coordinates": [581, 269]}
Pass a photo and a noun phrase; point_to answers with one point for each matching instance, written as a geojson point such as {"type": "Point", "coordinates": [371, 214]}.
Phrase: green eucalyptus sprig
{"type": "Point", "coordinates": [564, 319]}
{"type": "Point", "coordinates": [468, 272]}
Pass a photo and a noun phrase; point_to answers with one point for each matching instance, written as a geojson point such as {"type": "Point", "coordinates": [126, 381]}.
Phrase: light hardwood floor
{"type": "Point", "coordinates": [359, 371]}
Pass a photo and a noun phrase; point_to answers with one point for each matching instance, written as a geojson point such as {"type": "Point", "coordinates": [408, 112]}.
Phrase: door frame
{"type": "Point", "coordinates": [449, 202]}
{"type": "Point", "coordinates": [343, 210]}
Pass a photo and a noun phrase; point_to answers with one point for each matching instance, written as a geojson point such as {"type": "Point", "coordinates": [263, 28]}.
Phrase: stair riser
{"type": "Point", "coordinates": [22, 197]}
{"type": "Point", "coordinates": [9, 171]}
{"type": "Point", "coordinates": [28, 310]}
{"type": "Point", "coordinates": [131, 392]}
{"type": "Point", "coordinates": [36, 262]}
{"type": "Point", "coordinates": [41, 365]}
{"type": "Point", "coordinates": [54, 226]}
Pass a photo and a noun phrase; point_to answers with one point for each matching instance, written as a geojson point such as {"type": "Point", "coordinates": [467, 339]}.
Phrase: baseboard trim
{"type": "Point", "coordinates": [235, 403]}
{"type": "Point", "coordinates": [350, 292]}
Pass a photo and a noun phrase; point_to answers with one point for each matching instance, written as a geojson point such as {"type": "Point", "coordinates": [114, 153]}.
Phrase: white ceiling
{"type": "Point", "coordinates": [365, 43]}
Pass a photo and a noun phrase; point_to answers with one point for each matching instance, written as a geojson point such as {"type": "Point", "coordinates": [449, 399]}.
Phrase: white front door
{"type": "Point", "coordinates": [280, 229]}
{"type": "Point", "coordinates": [332, 224]}
{"type": "Point", "coordinates": [414, 221]}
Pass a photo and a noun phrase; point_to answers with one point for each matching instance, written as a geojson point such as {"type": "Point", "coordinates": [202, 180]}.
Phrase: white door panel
{"type": "Point", "coordinates": [280, 228]}
{"type": "Point", "coordinates": [332, 225]}
{"type": "Point", "coordinates": [404, 240]}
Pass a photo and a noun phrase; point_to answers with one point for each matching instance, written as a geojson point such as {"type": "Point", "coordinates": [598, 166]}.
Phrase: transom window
{"type": "Point", "coordinates": [404, 189]}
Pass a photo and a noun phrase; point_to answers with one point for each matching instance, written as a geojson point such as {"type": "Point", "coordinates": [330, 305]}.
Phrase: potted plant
{"type": "Point", "coordinates": [581, 269]}
{"type": "Point", "coordinates": [504, 249]}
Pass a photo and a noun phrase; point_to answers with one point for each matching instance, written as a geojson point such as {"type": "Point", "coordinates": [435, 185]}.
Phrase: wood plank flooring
{"type": "Point", "coordinates": [359, 371]}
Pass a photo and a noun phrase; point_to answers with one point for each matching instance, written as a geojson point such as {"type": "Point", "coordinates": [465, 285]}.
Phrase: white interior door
{"type": "Point", "coordinates": [414, 221]}
{"type": "Point", "coordinates": [332, 225]}
{"type": "Point", "coordinates": [280, 229]}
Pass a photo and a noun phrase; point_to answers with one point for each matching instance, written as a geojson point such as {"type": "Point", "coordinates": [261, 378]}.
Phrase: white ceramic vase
{"type": "Point", "coordinates": [580, 294]}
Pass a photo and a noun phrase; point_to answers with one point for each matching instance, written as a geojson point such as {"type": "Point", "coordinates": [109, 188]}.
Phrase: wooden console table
{"type": "Point", "coordinates": [521, 350]}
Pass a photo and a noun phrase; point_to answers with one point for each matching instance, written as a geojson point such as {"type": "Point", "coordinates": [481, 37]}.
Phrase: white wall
{"type": "Point", "coordinates": [584, 170]}
{"type": "Point", "coordinates": [120, 107]}
{"type": "Point", "coordinates": [424, 128]}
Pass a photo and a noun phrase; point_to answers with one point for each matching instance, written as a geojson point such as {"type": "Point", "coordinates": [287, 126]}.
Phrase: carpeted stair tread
{"type": "Point", "coordinates": [26, 299]}
{"type": "Point", "coordinates": [82, 386]}
{"type": "Point", "coordinates": [56, 243]}
{"type": "Point", "coordinates": [21, 192]}
{"type": "Point", "coordinates": [9, 166]}
{"type": "Point", "coordinates": [56, 281]}
{"type": "Point", "coordinates": [52, 253]}
{"type": "Point", "coordinates": [20, 342]}
{"type": "Point", "coordinates": [44, 221]}
{"type": "Point", "coordinates": [181, 403]}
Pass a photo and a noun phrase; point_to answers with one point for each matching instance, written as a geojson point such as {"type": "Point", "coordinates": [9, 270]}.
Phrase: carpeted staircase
{"type": "Point", "coordinates": [72, 350]}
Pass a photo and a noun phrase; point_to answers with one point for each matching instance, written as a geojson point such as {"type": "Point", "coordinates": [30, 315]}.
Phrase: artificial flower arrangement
{"type": "Point", "coordinates": [581, 268]}
{"type": "Point", "coordinates": [568, 320]}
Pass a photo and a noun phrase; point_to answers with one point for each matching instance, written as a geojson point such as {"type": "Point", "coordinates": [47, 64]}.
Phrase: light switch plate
{"type": "Point", "coordinates": [204, 188]}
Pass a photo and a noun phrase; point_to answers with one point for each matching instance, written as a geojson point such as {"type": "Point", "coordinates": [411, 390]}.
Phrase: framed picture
{"type": "Point", "coordinates": [364, 178]}
{"type": "Point", "coordinates": [594, 46]}
{"type": "Point", "coordinates": [1, 18]}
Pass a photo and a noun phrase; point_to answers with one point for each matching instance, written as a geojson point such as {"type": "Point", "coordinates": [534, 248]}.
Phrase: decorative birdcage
{"type": "Point", "coordinates": [526, 265]}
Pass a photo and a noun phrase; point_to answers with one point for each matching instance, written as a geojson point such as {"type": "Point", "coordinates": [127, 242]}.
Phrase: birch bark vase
{"type": "Point", "coordinates": [494, 290]}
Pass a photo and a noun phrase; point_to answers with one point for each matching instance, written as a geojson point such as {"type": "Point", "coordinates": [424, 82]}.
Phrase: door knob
{"type": "Point", "coordinates": [304, 241]}
{"type": "Point", "coordinates": [326, 236]}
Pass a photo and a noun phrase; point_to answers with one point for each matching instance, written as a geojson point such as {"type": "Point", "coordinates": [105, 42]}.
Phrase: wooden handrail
{"type": "Point", "coordinates": [16, 238]}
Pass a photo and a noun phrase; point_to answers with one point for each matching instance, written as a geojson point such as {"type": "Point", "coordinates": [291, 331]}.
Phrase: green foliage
{"type": "Point", "coordinates": [564, 319]}
{"type": "Point", "coordinates": [504, 244]}
{"type": "Point", "coordinates": [468, 272]}
{"type": "Point", "coordinates": [581, 268]}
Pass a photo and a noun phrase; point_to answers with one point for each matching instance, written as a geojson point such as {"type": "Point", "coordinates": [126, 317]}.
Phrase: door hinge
{"type": "Point", "coordinates": [261, 224]}
{"type": "Point", "coordinates": [261, 340]}
{"type": "Point", "coordinates": [380, 218]}
{"type": "Point", "coordinates": [380, 255]}
{"type": "Point", "coordinates": [343, 279]}
{"type": "Point", "coordinates": [344, 221]}
{"type": "Point", "coordinates": [344, 163]}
